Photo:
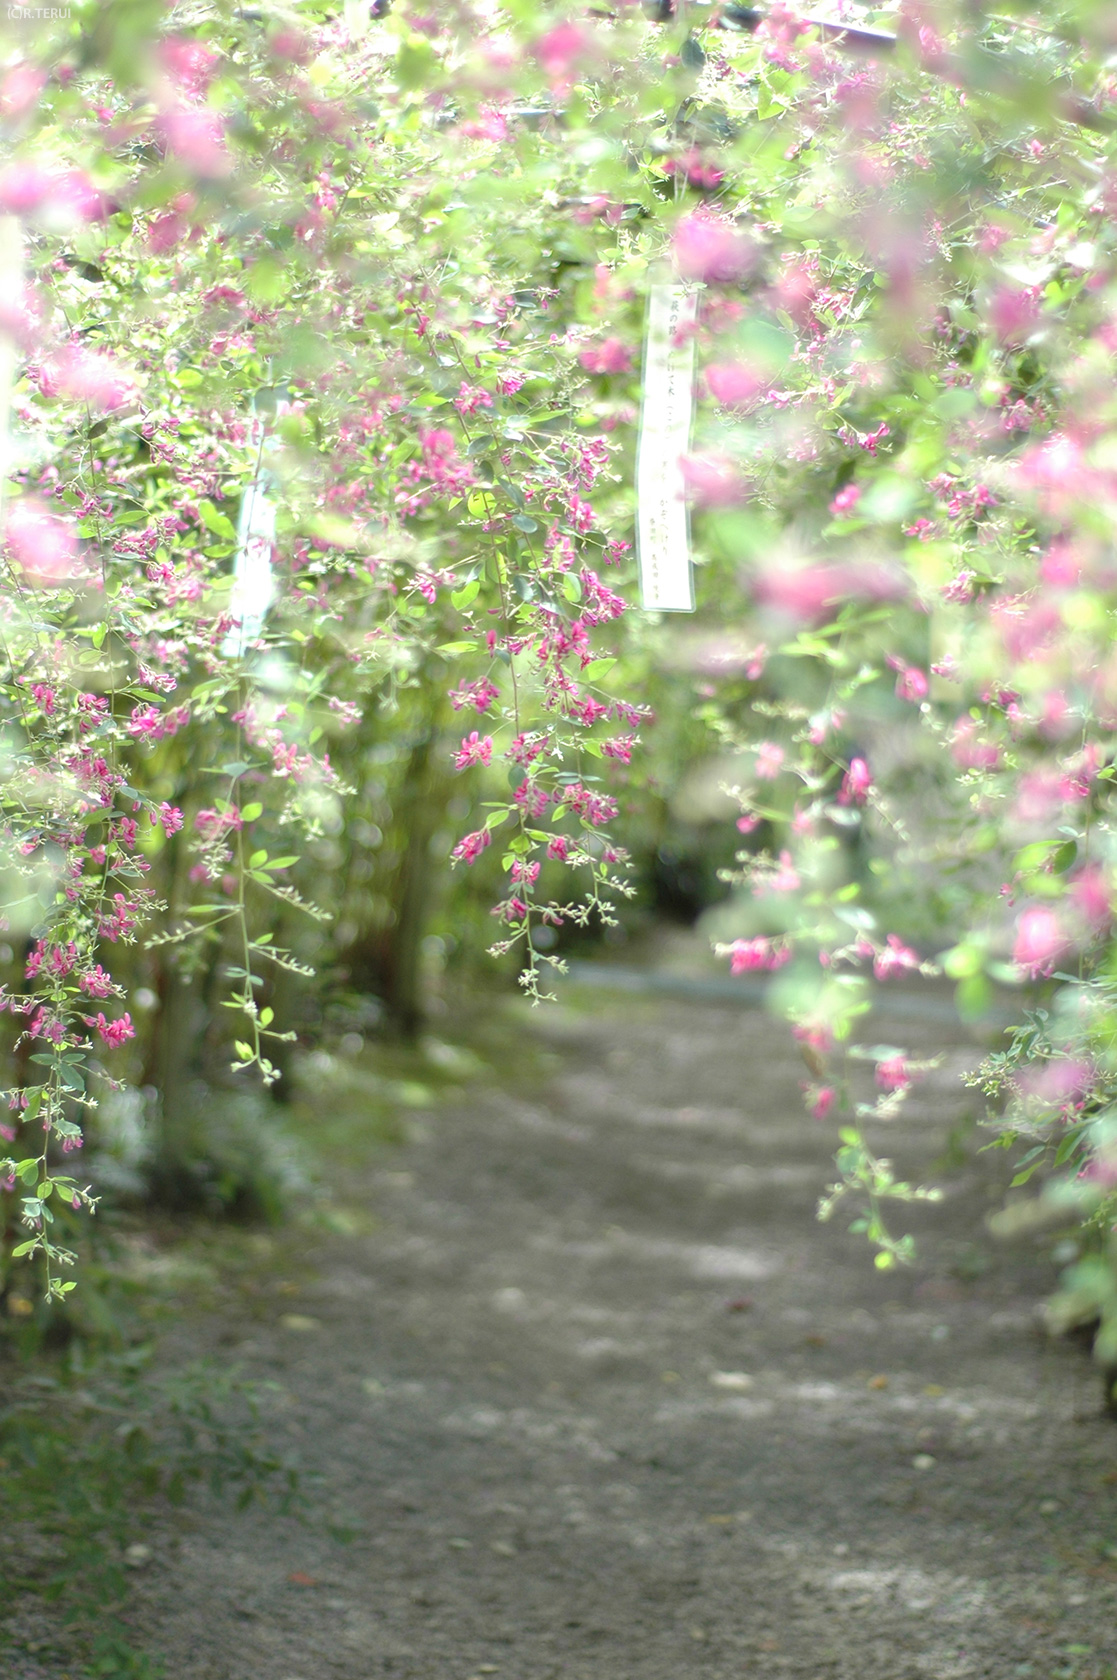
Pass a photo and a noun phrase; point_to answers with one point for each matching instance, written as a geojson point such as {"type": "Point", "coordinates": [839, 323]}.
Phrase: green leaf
{"type": "Point", "coordinates": [598, 668]}
{"type": "Point", "coordinates": [266, 281]}
{"type": "Point", "coordinates": [1064, 857]}
{"type": "Point", "coordinates": [250, 812]}
{"type": "Point", "coordinates": [416, 63]}
{"type": "Point", "coordinates": [215, 521]}
{"type": "Point", "coordinates": [465, 596]}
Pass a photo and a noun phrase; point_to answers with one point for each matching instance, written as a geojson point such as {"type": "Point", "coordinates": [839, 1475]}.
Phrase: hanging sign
{"type": "Point", "coordinates": [253, 578]}
{"type": "Point", "coordinates": [662, 520]}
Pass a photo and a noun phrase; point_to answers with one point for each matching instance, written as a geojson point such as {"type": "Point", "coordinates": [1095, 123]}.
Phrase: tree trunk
{"type": "Point", "coordinates": [419, 809]}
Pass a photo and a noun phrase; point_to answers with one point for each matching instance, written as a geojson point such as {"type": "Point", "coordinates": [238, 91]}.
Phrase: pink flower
{"type": "Point", "coordinates": [785, 878]}
{"type": "Point", "coordinates": [845, 501]}
{"type": "Point", "coordinates": [148, 723]}
{"type": "Point", "coordinates": [197, 140]}
{"type": "Point", "coordinates": [611, 356]}
{"type": "Point", "coordinates": [43, 546]}
{"type": "Point", "coordinates": [45, 1025]}
{"type": "Point", "coordinates": [912, 684]}
{"type": "Point", "coordinates": [57, 959]}
{"type": "Point", "coordinates": [769, 761]}
{"type": "Point", "coordinates": [1058, 468]}
{"type": "Point", "coordinates": [114, 1033]}
{"type": "Point", "coordinates": [490, 124]}
{"type": "Point", "coordinates": [894, 959]}
{"type": "Point", "coordinates": [893, 1074]}
{"type": "Point", "coordinates": [747, 823]}
{"type": "Point", "coordinates": [475, 749]}
{"type": "Point", "coordinates": [856, 783]}
{"type": "Point", "coordinates": [214, 825]}
{"type": "Point", "coordinates": [1061, 567]}
{"type": "Point", "coordinates": [558, 847]}
{"type": "Point", "coordinates": [120, 922]}
{"type": "Point", "coordinates": [480, 695]}
{"type": "Point", "coordinates": [968, 751]}
{"type": "Point", "coordinates": [959, 589]}
{"type": "Point", "coordinates": [824, 1097]}
{"type": "Point", "coordinates": [469, 849]}
{"type": "Point", "coordinates": [561, 51]}
{"type": "Point", "coordinates": [84, 376]}
{"type": "Point", "coordinates": [733, 384]}
{"type": "Point", "coordinates": [470, 398]}
{"type": "Point", "coordinates": [21, 317]}
{"type": "Point", "coordinates": [1090, 895]}
{"type": "Point", "coordinates": [1013, 314]}
{"type": "Point", "coordinates": [1039, 796]}
{"type": "Point", "coordinates": [1040, 941]}
{"type": "Point", "coordinates": [170, 817]}
{"type": "Point", "coordinates": [599, 604]}
{"type": "Point", "coordinates": [525, 748]}
{"type": "Point", "coordinates": [20, 90]}
{"type": "Point", "coordinates": [189, 63]}
{"type": "Point", "coordinates": [58, 196]}
{"type": "Point", "coordinates": [96, 982]}
{"type": "Point", "coordinates": [1059, 1084]}
{"type": "Point", "coordinates": [711, 249]}
{"type": "Point", "coordinates": [807, 592]}
{"type": "Point", "coordinates": [747, 955]}
{"type": "Point", "coordinates": [1055, 719]}
{"type": "Point", "coordinates": [712, 478]}
{"type": "Point", "coordinates": [797, 288]}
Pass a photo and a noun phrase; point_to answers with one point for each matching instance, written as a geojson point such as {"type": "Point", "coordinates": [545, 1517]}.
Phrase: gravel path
{"type": "Point", "coordinates": [596, 1398]}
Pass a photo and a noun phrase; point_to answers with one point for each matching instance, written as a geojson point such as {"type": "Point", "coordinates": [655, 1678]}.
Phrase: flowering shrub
{"type": "Point", "coordinates": [292, 432]}
{"type": "Point", "coordinates": [319, 341]}
{"type": "Point", "coordinates": [916, 407]}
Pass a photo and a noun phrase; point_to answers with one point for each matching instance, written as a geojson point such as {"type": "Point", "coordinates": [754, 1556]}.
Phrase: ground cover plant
{"type": "Point", "coordinates": [323, 339]}
{"type": "Point", "coordinates": [86, 1455]}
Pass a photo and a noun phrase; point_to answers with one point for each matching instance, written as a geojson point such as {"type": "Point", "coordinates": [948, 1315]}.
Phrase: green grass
{"type": "Point", "coordinates": [87, 1457]}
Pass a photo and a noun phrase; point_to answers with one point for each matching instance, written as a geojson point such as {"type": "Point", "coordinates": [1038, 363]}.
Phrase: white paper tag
{"type": "Point", "coordinates": [662, 520]}
{"type": "Point", "coordinates": [253, 579]}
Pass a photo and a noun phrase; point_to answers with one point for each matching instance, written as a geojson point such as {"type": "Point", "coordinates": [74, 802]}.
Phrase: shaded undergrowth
{"type": "Point", "coordinates": [101, 1438]}
{"type": "Point", "coordinates": [88, 1451]}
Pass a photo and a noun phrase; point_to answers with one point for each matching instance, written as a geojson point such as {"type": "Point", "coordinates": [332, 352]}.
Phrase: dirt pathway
{"type": "Point", "coordinates": [598, 1399]}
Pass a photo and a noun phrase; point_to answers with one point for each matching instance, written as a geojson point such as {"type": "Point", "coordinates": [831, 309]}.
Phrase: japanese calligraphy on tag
{"type": "Point", "coordinates": [662, 522]}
